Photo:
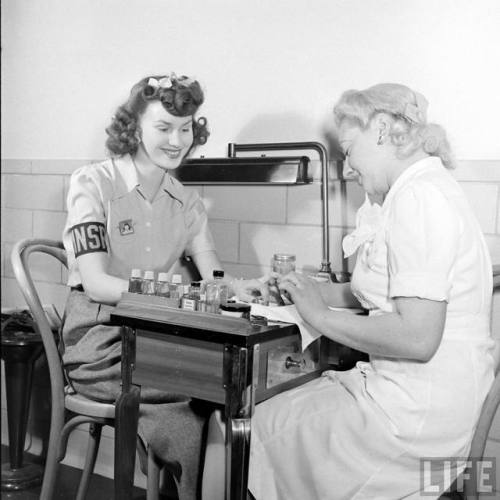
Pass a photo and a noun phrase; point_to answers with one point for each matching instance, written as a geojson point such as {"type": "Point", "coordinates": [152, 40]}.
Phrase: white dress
{"type": "Point", "coordinates": [361, 434]}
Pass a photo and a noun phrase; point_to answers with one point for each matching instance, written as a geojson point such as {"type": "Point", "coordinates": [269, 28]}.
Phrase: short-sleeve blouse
{"type": "Point", "coordinates": [138, 233]}
{"type": "Point", "coordinates": [422, 242]}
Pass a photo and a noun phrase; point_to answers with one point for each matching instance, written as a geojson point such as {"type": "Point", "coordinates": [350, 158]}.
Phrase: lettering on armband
{"type": "Point", "coordinates": [89, 237]}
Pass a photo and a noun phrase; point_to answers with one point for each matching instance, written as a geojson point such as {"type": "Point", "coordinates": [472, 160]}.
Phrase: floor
{"type": "Point", "coordinates": [101, 488]}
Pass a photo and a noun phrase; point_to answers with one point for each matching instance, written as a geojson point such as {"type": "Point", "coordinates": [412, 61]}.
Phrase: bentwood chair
{"type": "Point", "coordinates": [69, 409]}
{"type": "Point", "coordinates": [490, 407]}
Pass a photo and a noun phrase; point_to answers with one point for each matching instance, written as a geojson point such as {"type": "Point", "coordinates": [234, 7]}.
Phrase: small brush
{"type": "Point", "coordinates": [279, 298]}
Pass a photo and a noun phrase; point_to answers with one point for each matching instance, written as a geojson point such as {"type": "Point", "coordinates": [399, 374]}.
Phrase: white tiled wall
{"type": "Point", "coordinates": [249, 224]}
{"type": "Point", "coordinates": [484, 199]}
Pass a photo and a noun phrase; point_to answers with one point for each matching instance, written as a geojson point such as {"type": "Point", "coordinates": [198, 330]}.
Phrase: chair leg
{"type": "Point", "coordinates": [95, 430]}
{"type": "Point", "coordinates": [153, 477]}
{"type": "Point", "coordinates": [52, 462]}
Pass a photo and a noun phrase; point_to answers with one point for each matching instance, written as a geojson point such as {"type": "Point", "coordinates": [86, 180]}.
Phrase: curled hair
{"type": "Point", "coordinates": [179, 95]}
{"type": "Point", "coordinates": [408, 110]}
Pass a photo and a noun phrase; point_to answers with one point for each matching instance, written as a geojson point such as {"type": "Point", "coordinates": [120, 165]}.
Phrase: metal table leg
{"type": "Point", "coordinates": [240, 381]}
{"type": "Point", "coordinates": [126, 419]}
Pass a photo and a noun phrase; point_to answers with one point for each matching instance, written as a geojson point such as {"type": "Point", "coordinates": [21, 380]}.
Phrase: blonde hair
{"type": "Point", "coordinates": [408, 110]}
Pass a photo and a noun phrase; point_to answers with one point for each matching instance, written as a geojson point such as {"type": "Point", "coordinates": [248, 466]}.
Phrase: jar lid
{"type": "Point", "coordinates": [285, 257]}
{"type": "Point", "coordinates": [149, 275]}
{"type": "Point", "coordinates": [236, 307]}
{"type": "Point", "coordinates": [195, 284]}
{"type": "Point", "coordinates": [163, 277]}
{"type": "Point", "coordinates": [177, 278]}
{"type": "Point", "coordinates": [218, 273]}
{"type": "Point", "coordinates": [136, 273]}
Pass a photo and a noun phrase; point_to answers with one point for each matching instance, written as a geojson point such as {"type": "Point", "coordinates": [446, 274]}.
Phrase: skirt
{"type": "Point", "coordinates": [171, 424]}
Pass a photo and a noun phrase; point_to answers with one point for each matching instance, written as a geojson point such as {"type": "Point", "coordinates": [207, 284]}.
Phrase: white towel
{"type": "Point", "coordinates": [289, 314]}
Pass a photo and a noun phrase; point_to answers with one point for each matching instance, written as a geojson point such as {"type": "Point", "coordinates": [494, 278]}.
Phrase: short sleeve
{"type": "Point", "coordinates": [423, 234]}
{"type": "Point", "coordinates": [200, 237]}
{"type": "Point", "coordinates": [85, 229]}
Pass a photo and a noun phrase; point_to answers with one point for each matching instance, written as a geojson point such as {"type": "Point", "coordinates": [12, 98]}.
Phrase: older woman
{"type": "Point", "coordinates": [424, 273]}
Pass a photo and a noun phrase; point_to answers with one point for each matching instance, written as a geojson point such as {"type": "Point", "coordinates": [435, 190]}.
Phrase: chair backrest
{"type": "Point", "coordinates": [486, 418]}
{"type": "Point", "coordinates": [20, 262]}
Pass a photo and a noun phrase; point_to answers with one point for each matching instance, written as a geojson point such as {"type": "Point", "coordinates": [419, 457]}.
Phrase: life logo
{"type": "Point", "coordinates": [89, 237]}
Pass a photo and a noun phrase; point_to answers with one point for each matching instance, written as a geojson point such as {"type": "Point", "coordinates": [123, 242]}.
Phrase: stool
{"type": "Point", "coordinates": [20, 349]}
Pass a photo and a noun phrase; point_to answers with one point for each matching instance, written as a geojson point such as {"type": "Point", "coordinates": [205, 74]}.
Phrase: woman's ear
{"type": "Point", "coordinates": [381, 125]}
{"type": "Point", "coordinates": [382, 122]}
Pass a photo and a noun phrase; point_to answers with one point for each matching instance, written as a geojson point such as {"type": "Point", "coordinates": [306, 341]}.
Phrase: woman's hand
{"type": "Point", "coordinates": [247, 290]}
{"type": "Point", "coordinates": [306, 295]}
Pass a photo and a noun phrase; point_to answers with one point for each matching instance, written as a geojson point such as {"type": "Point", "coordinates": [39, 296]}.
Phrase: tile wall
{"type": "Point", "coordinates": [249, 224]}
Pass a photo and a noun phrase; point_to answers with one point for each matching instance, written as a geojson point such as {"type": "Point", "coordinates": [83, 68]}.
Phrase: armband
{"type": "Point", "coordinates": [89, 237]}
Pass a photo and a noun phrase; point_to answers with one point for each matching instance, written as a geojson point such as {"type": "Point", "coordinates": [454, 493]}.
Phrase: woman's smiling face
{"type": "Point", "coordinates": [165, 138]}
{"type": "Point", "coordinates": [364, 157]}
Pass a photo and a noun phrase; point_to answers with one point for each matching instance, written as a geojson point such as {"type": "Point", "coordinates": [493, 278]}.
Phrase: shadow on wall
{"type": "Point", "coordinates": [353, 197]}
{"type": "Point", "coordinates": [293, 127]}
{"type": "Point", "coordinates": [278, 127]}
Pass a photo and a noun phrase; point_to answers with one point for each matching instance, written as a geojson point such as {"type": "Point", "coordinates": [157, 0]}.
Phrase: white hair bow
{"type": "Point", "coordinates": [164, 83]}
{"type": "Point", "coordinates": [167, 81]}
{"type": "Point", "coordinates": [417, 113]}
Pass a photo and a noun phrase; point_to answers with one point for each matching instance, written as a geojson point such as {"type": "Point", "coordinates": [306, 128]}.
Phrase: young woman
{"type": "Point", "coordinates": [424, 273]}
{"type": "Point", "coordinates": [128, 212]}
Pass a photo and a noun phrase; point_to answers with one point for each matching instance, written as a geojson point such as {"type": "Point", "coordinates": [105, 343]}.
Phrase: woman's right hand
{"type": "Point", "coordinates": [306, 295]}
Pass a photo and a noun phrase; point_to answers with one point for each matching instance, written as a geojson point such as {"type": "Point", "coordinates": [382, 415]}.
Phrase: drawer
{"type": "Point", "coordinates": [287, 362]}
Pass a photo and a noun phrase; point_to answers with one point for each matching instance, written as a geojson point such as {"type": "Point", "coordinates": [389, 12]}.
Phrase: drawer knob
{"type": "Point", "coordinates": [291, 363]}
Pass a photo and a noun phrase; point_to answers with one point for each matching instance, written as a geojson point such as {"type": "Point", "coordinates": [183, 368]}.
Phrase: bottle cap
{"type": "Point", "coordinates": [177, 278]}
{"type": "Point", "coordinates": [136, 273]}
{"type": "Point", "coordinates": [218, 273]}
{"type": "Point", "coordinates": [236, 307]}
{"type": "Point", "coordinates": [149, 275]}
{"type": "Point", "coordinates": [163, 277]}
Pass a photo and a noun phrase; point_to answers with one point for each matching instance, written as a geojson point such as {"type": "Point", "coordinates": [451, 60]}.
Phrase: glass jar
{"type": "Point", "coordinates": [148, 283]}
{"type": "Point", "coordinates": [216, 291]}
{"type": "Point", "coordinates": [135, 281]}
{"type": "Point", "coordinates": [162, 287]}
{"type": "Point", "coordinates": [176, 287]}
{"type": "Point", "coordinates": [283, 263]}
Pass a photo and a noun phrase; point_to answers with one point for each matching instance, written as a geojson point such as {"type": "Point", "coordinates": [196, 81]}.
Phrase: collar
{"type": "Point", "coordinates": [413, 171]}
{"type": "Point", "coordinates": [173, 188]}
{"type": "Point", "coordinates": [370, 216]}
{"type": "Point", "coordinates": [126, 168]}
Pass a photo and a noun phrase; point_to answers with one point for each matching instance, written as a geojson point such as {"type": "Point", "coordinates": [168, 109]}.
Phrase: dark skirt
{"type": "Point", "coordinates": [169, 423]}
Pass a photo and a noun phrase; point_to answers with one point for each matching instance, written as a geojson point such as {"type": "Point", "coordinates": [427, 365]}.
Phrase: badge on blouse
{"type": "Point", "coordinates": [125, 227]}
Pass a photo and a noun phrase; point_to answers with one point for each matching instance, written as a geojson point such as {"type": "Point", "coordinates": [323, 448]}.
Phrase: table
{"type": "Point", "coordinates": [230, 362]}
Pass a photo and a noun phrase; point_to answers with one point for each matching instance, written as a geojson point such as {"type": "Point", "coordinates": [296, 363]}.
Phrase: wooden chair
{"type": "Point", "coordinates": [483, 428]}
{"type": "Point", "coordinates": [68, 408]}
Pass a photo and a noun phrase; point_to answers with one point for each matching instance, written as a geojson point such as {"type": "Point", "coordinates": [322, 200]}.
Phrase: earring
{"type": "Point", "coordinates": [379, 142]}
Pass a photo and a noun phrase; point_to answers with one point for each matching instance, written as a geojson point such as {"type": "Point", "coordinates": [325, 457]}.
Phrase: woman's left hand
{"type": "Point", "coordinates": [305, 294]}
{"type": "Point", "coordinates": [247, 290]}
